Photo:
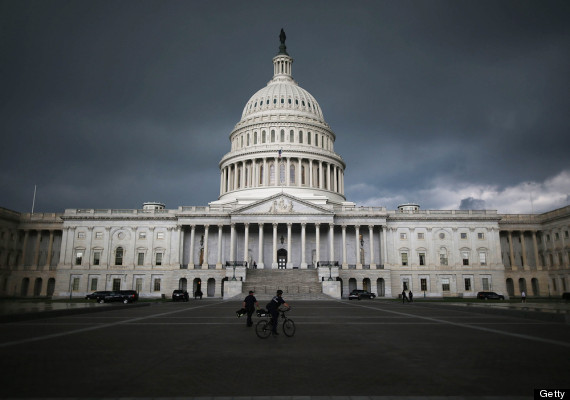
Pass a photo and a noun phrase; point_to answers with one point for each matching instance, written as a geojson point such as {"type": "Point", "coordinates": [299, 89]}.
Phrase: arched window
{"type": "Point", "coordinates": [300, 136]}
{"type": "Point", "coordinates": [292, 174]}
{"type": "Point", "coordinates": [309, 138]}
{"type": "Point", "coordinates": [263, 137]}
{"type": "Point", "coordinates": [303, 175]}
{"type": "Point", "coordinates": [241, 141]}
{"type": "Point", "coordinates": [316, 140]}
{"type": "Point", "coordinates": [261, 174]}
{"type": "Point", "coordinates": [272, 174]}
{"type": "Point", "coordinates": [282, 173]}
{"type": "Point", "coordinates": [247, 141]}
{"type": "Point", "coordinates": [443, 256]}
{"type": "Point", "coordinates": [238, 178]}
{"type": "Point", "coordinates": [291, 136]}
{"type": "Point", "coordinates": [272, 136]}
{"type": "Point", "coordinates": [255, 138]}
{"type": "Point", "coordinates": [282, 139]}
{"type": "Point", "coordinates": [119, 256]}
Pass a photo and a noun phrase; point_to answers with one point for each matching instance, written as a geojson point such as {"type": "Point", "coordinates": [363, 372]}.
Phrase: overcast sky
{"type": "Point", "coordinates": [451, 104]}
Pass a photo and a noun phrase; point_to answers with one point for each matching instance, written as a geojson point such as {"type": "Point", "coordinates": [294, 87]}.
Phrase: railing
{"type": "Point", "coordinates": [327, 264]}
{"type": "Point", "coordinates": [351, 266]}
{"type": "Point", "coordinates": [183, 266]}
{"type": "Point", "coordinates": [236, 264]}
{"type": "Point", "coordinates": [365, 266]}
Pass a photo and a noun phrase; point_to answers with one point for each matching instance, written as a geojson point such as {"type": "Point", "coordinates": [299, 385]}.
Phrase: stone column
{"type": "Point", "coordinates": [180, 260]}
{"type": "Point", "coordinates": [37, 249]}
{"type": "Point", "coordinates": [318, 242]}
{"type": "Point", "coordinates": [277, 172]}
{"type": "Point", "coordinates": [384, 245]}
{"type": "Point", "coordinates": [246, 243]}
{"type": "Point", "coordinates": [357, 246]}
{"type": "Point", "coordinates": [205, 261]}
{"type": "Point", "coordinates": [219, 257]}
{"type": "Point", "coordinates": [344, 263]}
{"type": "Point", "coordinates": [287, 173]}
{"type": "Point", "coordinates": [232, 242]}
{"type": "Point", "coordinates": [331, 242]}
{"type": "Point", "coordinates": [50, 249]}
{"type": "Point", "coordinates": [511, 254]}
{"type": "Point", "coordinates": [289, 263]}
{"type": "Point", "coordinates": [260, 263]}
{"type": "Point", "coordinates": [320, 174]}
{"type": "Point", "coordinates": [234, 187]}
{"type": "Point", "coordinates": [265, 174]}
{"type": "Point", "coordinates": [303, 245]}
{"type": "Point", "coordinates": [371, 233]}
{"type": "Point", "coordinates": [299, 174]}
{"type": "Point", "coordinates": [310, 173]}
{"type": "Point", "coordinates": [535, 247]}
{"type": "Point", "coordinates": [274, 253]}
{"type": "Point", "coordinates": [523, 250]}
{"type": "Point", "coordinates": [191, 252]}
{"type": "Point", "coordinates": [25, 245]}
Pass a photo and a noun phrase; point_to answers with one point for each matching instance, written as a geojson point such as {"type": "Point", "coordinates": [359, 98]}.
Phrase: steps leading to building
{"type": "Point", "coordinates": [296, 284]}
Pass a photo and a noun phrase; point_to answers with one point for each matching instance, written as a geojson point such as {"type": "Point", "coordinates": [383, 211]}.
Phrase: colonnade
{"type": "Point", "coordinates": [549, 249]}
{"type": "Point", "coordinates": [13, 256]}
{"type": "Point", "coordinates": [286, 171]}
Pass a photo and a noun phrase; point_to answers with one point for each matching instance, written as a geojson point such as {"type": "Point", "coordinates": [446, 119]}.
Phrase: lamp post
{"type": "Point", "coordinates": [234, 277]}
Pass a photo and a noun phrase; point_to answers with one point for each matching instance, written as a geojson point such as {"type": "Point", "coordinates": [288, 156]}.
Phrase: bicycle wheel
{"type": "Point", "coordinates": [263, 329]}
{"type": "Point", "coordinates": [288, 327]}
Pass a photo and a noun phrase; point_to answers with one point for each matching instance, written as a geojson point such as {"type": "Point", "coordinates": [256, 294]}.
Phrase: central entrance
{"type": "Point", "coordinates": [281, 259]}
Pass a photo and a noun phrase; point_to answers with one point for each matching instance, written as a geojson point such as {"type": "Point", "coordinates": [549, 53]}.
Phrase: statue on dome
{"type": "Point", "coordinates": [282, 47]}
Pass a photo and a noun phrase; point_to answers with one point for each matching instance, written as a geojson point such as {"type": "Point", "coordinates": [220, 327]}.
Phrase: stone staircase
{"type": "Point", "coordinates": [297, 284]}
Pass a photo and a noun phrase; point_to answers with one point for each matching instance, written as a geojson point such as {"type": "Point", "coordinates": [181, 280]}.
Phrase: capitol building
{"type": "Point", "coordinates": [282, 221]}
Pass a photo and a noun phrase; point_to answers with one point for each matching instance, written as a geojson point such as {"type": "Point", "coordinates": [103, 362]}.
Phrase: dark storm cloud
{"type": "Point", "coordinates": [108, 104]}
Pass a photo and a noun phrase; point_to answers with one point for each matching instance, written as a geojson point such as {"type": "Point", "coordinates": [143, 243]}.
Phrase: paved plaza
{"type": "Point", "coordinates": [341, 349]}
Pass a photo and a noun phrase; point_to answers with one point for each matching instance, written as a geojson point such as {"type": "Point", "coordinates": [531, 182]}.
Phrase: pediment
{"type": "Point", "coordinates": [282, 204]}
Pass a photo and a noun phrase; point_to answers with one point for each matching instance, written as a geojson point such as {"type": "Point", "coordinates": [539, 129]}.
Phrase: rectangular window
{"type": "Point", "coordinates": [157, 285]}
{"type": "Point", "coordinates": [481, 235]}
{"type": "Point", "coordinates": [403, 236]}
{"type": "Point", "coordinates": [94, 284]}
{"type": "Point", "coordinates": [140, 259]}
{"type": "Point", "coordinates": [80, 235]}
{"type": "Point", "coordinates": [463, 235]}
{"type": "Point", "coordinates": [445, 284]}
{"type": "Point", "coordinates": [142, 235]}
{"type": "Point", "coordinates": [421, 235]}
{"type": "Point", "coordinates": [465, 257]}
{"type": "Point", "coordinates": [78, 257]}
{"type": "Point", "coordinates": [160, 235]}
{"type": "Point", "coordinates": [75, 286]}
{"type": "Point", "coordinates": [404, 258]}
{"type": "Point", "coordinates": [158, 258]}
{"type": "Point", "coordinates": [422, 258]}
{"type": "Point", "coordinates": [443, 259]}
{"type": "Point", "coordinates": [98, 235]}
{"type": "Point", "coordinates": [483, 258]}
{"type": "Point", "coordinates": [138, 285]}
{"type": "Point", "coordinates": [485, 283]}
{"type": "Point", "coordinates": [556, 236]}
{"type": "Point", "coordinates": [467, 284]}
{"type": "Point", "coordinates": [423, 284]}
{"type": "Point", "coordinates": [566, 234]}
{"type": "Point", "coordinates": [96, 257]}
{"type": "Point", "coordinates": [116, 284]}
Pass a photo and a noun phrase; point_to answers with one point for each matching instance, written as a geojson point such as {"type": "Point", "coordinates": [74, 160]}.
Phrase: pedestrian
{"type": "Point", "coordinates": [273, 309]}
{"type": "Point", "coordinates": [254, 265]}
{"type": "Point", "coordinates": [523, 296]}
{"type": "Point", "coordinates": [250, 304]}
{"type": "Point", "coordinates": [404, 297]}
{"type": "Point", "coordinates": [411, 296]}
{"type": "Point", "coordinates": [198, 293]}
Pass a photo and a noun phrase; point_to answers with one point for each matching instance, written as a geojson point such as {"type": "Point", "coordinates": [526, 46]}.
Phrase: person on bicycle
{"type": "Point", "coordinates": [273, 308]}
{"type": "Point", "coordinates": [250, 304]}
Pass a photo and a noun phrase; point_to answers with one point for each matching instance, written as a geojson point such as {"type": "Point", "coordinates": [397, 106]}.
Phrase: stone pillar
{"type": "Point", "coordinates": [329, 176]}
{"type": "Point", "coordinates": [344, 263]}
{"type": "Point", "coordinates": [289, 263]}
{"type": "Point", "coordinates": [219, 257]}
{"type": "Point", "coordinates": [50, 249]}
{"type": "Point", "coordinates": [331, 242]}
{"type": "Point", "coordinates": [535, 248]}
{"type": "Point", "coordinates": [191, 252]}
{"type": "Point", "coordinates": [511, 254]}
{"type": "Point", "coordinates": [357, 246]}
{"type": "Point", "coordinates": [371, 233]}
{"type": "Point", "coordinates": [287, 173]}
{"type": "Point", "coordinates": [265, 174]}
{"type": "Point", "coordinates": [384, 245]}
{"type": "Point", "coordinates": [320, 174]}
{"type": "Point", "coordinates": [310, 173]}
{"type": "Point", "coordinates": [180, 259]}
{"type": "Point", "coordinates": [205, 261]}
{"type": "Point", "coordinates": [37, 249]}
{"type": "Point", "coordinates": [318, 242]}
{"type": "Point", "coordinates": [25, 245]}
{"type": "Point", "coordinates": [232, 242]}
{"type": "Point", "coordinates": [523, 250]}
{"type": "Point", "coordinates": [274, 253]}
{"type": "Point", "coordinates": [246, 243]}
{"type": "Point", "coordinates": [299, 174]}
{"type": "Point", "coordinates": [260, 263]}
{"type": "Point", "coordinates": [303, 246]}
{"type": "Point", "coordinates": [277, 172]}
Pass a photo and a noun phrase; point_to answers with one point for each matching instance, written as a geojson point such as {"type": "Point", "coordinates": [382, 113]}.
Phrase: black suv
{"type": "Point", "coordinates": [126, 296]}
{"type": "Point", "coordinates": [490, 296]}
{"type": "Point", "coordinates": [359, 294]}
{"type": "Point", "coordinates": [97, 295]}
{"type": "Point", "coordinates": [180, 295]}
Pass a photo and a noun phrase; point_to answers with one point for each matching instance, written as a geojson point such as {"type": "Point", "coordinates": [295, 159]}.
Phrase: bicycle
{"type": "Point", "coordinates": [264, 327]}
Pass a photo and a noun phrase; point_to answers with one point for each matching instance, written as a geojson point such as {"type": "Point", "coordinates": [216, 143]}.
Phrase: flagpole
{"type": "Point", "coordinates": [34, 201]}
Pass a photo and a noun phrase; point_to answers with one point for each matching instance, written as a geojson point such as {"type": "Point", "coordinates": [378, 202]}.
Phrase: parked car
{"type": "Point", "coordinates": [180, 295]}
{"type": "Point", "coordinates": [126, 296]}
{"type": "Point", "coordinates": [490, 296]}
{"type": "Point", "coordinates": [97, 295]}
{"type": "Point", "coordinates": [359, 294]}
{"type": "Point", "coordinates": [566, 296]}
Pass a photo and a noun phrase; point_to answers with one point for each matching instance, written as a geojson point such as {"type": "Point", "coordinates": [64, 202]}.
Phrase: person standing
{"type": "Point", "coordinates": [250, 304]}
{"type": "Point", "coordinates": [523, 296]}
{"type": "Point", "coordinates": [411, 296]}
{"type": "Point", "coordinates": [273, 308]}
{"type": "Point", "coordinates": [404, 297]}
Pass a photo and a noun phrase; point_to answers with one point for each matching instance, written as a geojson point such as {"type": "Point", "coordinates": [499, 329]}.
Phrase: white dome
{"type": "Point", "coordinates": [282, 95]}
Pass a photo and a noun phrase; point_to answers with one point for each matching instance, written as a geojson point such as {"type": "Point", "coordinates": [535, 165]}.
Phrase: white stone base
{"type": "Point", "coordinates": [232, 289]}
{"type": "Point", "coordinates": [332, 289]}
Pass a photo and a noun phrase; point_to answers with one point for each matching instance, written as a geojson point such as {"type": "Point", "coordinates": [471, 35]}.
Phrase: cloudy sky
{"type": "Point", "coordinates": [451, 104]}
